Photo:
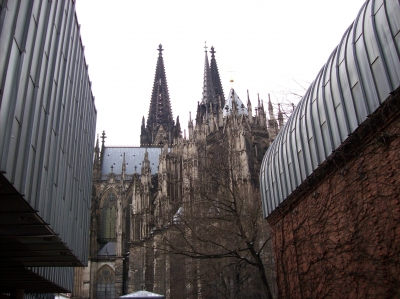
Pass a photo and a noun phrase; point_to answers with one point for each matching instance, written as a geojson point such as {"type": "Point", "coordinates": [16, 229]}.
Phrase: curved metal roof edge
{"type": "Point", "coordinates": [357, 78]}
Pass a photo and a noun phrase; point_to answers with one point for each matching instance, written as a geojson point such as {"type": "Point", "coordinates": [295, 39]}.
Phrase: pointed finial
{"type": "Point", "coordinates": [270, 108]}
{"type": "Point", "coordinates": [112, 168]}
{"type": "Point", "coordinates": [123, 169]}
{"type": "Point", "coordinates": [103, 136]}
{"type": "Point", "coordinates": [205, 47]}
{"type": "Point", "coordinates": [213, 52]}
{"type": "Point", "coordinates": [160, 49]}
{"type": "Point", "coordinates": [280, 116]}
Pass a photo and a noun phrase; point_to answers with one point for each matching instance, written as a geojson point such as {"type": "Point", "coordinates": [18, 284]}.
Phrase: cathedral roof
{"type": "Point", "coordinates": [232, 99]}
{"type": "Point", "coordinates": [134, 156]}
{"type": "Point", "coordinates": [108, 249]}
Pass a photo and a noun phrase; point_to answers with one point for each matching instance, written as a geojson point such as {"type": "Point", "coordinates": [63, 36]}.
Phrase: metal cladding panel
{"type": "Point", "coordinates": [47, 115]}
{"type": "Point", "coordinates": [62, 277]}
{"type": "Point", "coordinates": [355, 81]}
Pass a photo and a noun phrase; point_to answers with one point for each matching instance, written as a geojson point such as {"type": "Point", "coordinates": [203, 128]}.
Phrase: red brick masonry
{"type": "Point", "coordinates": [338, 235]}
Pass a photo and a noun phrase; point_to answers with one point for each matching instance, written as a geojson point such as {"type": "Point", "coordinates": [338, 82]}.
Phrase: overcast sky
{"type": "Point", "coordinates": [265, 46]}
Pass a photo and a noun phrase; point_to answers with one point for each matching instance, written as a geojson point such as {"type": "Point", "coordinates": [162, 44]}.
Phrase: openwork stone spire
{"type": "Point", "coordinates": [160, 112]}
{"type": "Point", "coordinates": [160, 122]}
{"type": "Point", "coordinates": [213, 95]}
{"type": "Point", "coordinates": [208, 89]}
{"type": "Point", "coordinates": [216, 80]}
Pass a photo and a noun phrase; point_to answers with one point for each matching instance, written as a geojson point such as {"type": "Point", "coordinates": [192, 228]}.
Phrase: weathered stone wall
{"type": "Point", "coordinates": [341, 238]}
{"type": "Point", "coordinates": [136, 268]}
{"type": "Point", "coordinates": [82, 282]}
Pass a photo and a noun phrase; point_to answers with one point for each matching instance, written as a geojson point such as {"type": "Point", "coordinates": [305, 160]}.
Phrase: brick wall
{"type": "Point", "coordinates": [340, 236]}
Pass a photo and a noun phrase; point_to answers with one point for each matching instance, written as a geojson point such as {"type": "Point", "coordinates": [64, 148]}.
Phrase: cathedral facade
{"type": "Point", "coordinates": [139, 193]}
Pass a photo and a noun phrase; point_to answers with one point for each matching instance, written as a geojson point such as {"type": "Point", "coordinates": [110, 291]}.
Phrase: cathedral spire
{"type": "Point", "coordinates": [96, 164]}
{"type": "Point", "coordinates": [270, 109]}
{"type": "Point", "coordinates": [177, 130]}
{"type": "Point", "coordinates": [249, 108]}
{"type": "Point", "coordinates": [160, 112]}
{"type": "Point", "coordinates": [272, 123]}
{"type": "Point", "coordinates": [123, 164]}
{"type": "Point", "coordinates": [280, 117]}
{"type": "Point", "coordinates": [213, 99]}
{"type": "Point", "coordinates": [160, 122]}
{"type": "Point", "coordinates": [103, 137]}
{"type": "Point", "coordinates": [208, 90]}
{"type": "Point", "coordinates": [97, 153]}
{"type": "Point", "coordinates": [123, 170]}
{"type": "Point", "coordinates": [215, 78]}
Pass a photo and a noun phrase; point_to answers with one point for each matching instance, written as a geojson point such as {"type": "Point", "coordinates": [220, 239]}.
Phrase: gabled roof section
{"type": "Point", "coordinates": [160, 112]}
{"type": "Point", "coordinates": [357, 78]}
{"type": "Point", "coordinates": [108, 250]}
{"type": "Point", "coordinates": [234, 103]}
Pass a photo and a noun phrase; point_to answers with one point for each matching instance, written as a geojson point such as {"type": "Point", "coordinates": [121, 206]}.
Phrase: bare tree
{"type": "Point", "coordinates": [221, 229]}
{"type": "Point", "coordinates": [287, 98]}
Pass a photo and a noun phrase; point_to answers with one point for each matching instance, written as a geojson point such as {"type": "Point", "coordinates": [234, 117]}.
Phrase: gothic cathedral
{"type": "Point", "coordinates": [139, 191]}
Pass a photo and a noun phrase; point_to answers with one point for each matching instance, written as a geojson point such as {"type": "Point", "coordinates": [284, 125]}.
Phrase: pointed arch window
{"type": "Point", "coordinates": [108, 214]}
{"type": "Point", "coordinates": [105, 283]}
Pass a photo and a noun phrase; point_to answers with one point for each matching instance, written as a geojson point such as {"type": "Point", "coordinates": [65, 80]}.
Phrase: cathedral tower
{"type": "Point", "coordinates": [160, 128]}
{"type": "Point", "coordinates": [216, 80]}
{"type": "Point", "coordinates": [213, 98]}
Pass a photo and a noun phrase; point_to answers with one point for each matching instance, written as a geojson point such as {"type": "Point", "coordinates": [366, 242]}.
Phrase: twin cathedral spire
{"type": "Point", "coordinates": [161, 129]}
{"type": "Point", "coordinates": [213, 95]}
